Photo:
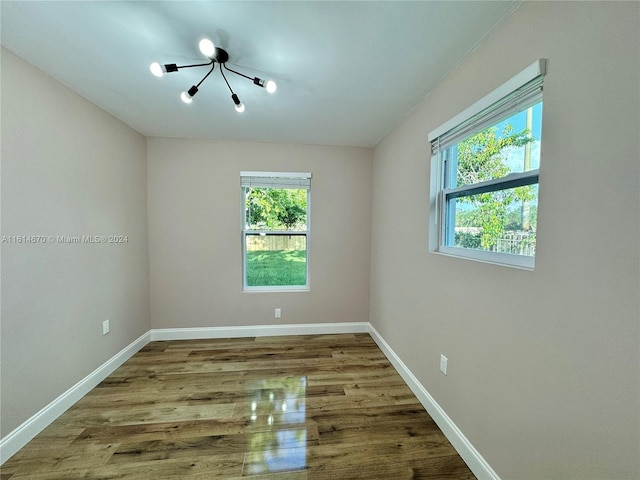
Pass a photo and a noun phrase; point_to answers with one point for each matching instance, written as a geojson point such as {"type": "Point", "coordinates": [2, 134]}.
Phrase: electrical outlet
{"type": "Point", "coordinates": [443, 364]}
{"type": "Point", "coordinates": [278, 313]}
{"type": "Point", "coordinates": [105, 327]}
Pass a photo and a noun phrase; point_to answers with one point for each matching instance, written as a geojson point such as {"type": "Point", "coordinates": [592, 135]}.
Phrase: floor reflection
{"type": "Point", "coordinates": [278, 437]}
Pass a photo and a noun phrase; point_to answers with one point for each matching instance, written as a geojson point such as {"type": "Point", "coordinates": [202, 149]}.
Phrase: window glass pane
{"type": "Point", "coordinates": [503, 221]}
{"type": "Point", "coordinates": [275, 209]}
{"type": "Point", "coordinates": [510, 146]}
{"type": "Point", "coordinates": [276, 259]}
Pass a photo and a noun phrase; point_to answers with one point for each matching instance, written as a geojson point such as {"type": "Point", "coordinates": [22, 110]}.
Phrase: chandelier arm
{"type": "Point", "coordinates": [195, 65]}
{"type": "Point", "coordinates": [213, 65]}
{"type": "Point", "coordinates": [237, 73]}
{"type": "Point", "coordinates": [226, 81]}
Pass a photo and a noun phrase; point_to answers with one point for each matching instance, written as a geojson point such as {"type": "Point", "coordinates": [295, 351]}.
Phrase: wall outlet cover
{"type": "Point", "coordinates": [443, 364]}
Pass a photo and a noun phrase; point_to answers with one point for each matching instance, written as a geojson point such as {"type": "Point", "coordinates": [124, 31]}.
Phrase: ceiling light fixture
{"type": "Point", "coordinates": [215, 55]}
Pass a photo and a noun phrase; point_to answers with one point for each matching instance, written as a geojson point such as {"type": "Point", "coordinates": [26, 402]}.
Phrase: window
{"type": "Point", "coordinates": [275, 230]}
{"type": "Point", "coordinates": [484, 184]}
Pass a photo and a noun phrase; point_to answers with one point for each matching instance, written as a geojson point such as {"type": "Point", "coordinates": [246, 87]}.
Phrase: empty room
{"type": "Point", "coordinates": [320, 240]}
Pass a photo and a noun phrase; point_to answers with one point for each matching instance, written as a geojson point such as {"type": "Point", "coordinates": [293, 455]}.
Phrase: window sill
{"type": "Point", "coordinates": [275, 289]}
{"type": "Point", "coordinates": [520, 262]}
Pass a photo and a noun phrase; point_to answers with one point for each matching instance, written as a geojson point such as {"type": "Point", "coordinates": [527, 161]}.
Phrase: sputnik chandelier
{"type": "Point", "coordinates": [215, 55]}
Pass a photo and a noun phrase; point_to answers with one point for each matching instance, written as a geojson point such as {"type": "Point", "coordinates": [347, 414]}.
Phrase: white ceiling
{"type": "Point", "coordinates": [347, 72]}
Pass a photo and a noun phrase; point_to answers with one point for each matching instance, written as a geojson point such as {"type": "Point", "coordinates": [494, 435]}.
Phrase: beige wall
{"type": "Point", "coordinates": [195, 233]}
{"type": "Point", "coordinates": [68, 169]}
{"type": "Point", "coordinates": [543, 366]}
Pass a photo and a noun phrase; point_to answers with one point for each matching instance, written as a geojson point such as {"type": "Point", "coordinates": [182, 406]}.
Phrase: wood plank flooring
{"type": "Point", "coordinates": [288, 408]}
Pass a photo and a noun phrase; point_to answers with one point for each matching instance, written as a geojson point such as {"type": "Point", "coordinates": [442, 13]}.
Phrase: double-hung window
{"type": "Point", "coordinates": [484, 183]}
{"type": "Point", "coordinates": [275, 230]}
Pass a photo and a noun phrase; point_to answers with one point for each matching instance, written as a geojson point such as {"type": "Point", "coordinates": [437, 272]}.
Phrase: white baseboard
{"type": "Point", "coordinates": [23, 434]}
{"type": "Point", "coordinates": [467, 451]}
{"type": "Point", "coordinates": [257, 331]}
{"type": "Point", "coordinates": [19, 437]}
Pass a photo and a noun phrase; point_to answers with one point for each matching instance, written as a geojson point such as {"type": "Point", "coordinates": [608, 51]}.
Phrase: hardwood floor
{"type": "Point", "coordinates": [287, 408]}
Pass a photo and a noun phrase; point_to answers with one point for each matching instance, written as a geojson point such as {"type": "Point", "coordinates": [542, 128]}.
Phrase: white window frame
{"type": "Point", "coordinates": [480, 115]}
{"type": "Point", "coordinates": [274, 180]}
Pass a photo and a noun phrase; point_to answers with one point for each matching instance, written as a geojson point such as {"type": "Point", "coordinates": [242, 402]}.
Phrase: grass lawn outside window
{"type": "Point", "coordinates": [276, 268]}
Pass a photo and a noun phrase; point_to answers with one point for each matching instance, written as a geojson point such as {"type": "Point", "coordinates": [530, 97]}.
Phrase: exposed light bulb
{"type": "Point", "coordinates": [187, 97]}
{"type": "Point", "coordinates": [156, 69]}
{"type": "Point", "coordinates": [239, 104]}
{"type": "Point", "coordinates": [271, 86]}
{"type": "Point", "coordinates": [207, 48]}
